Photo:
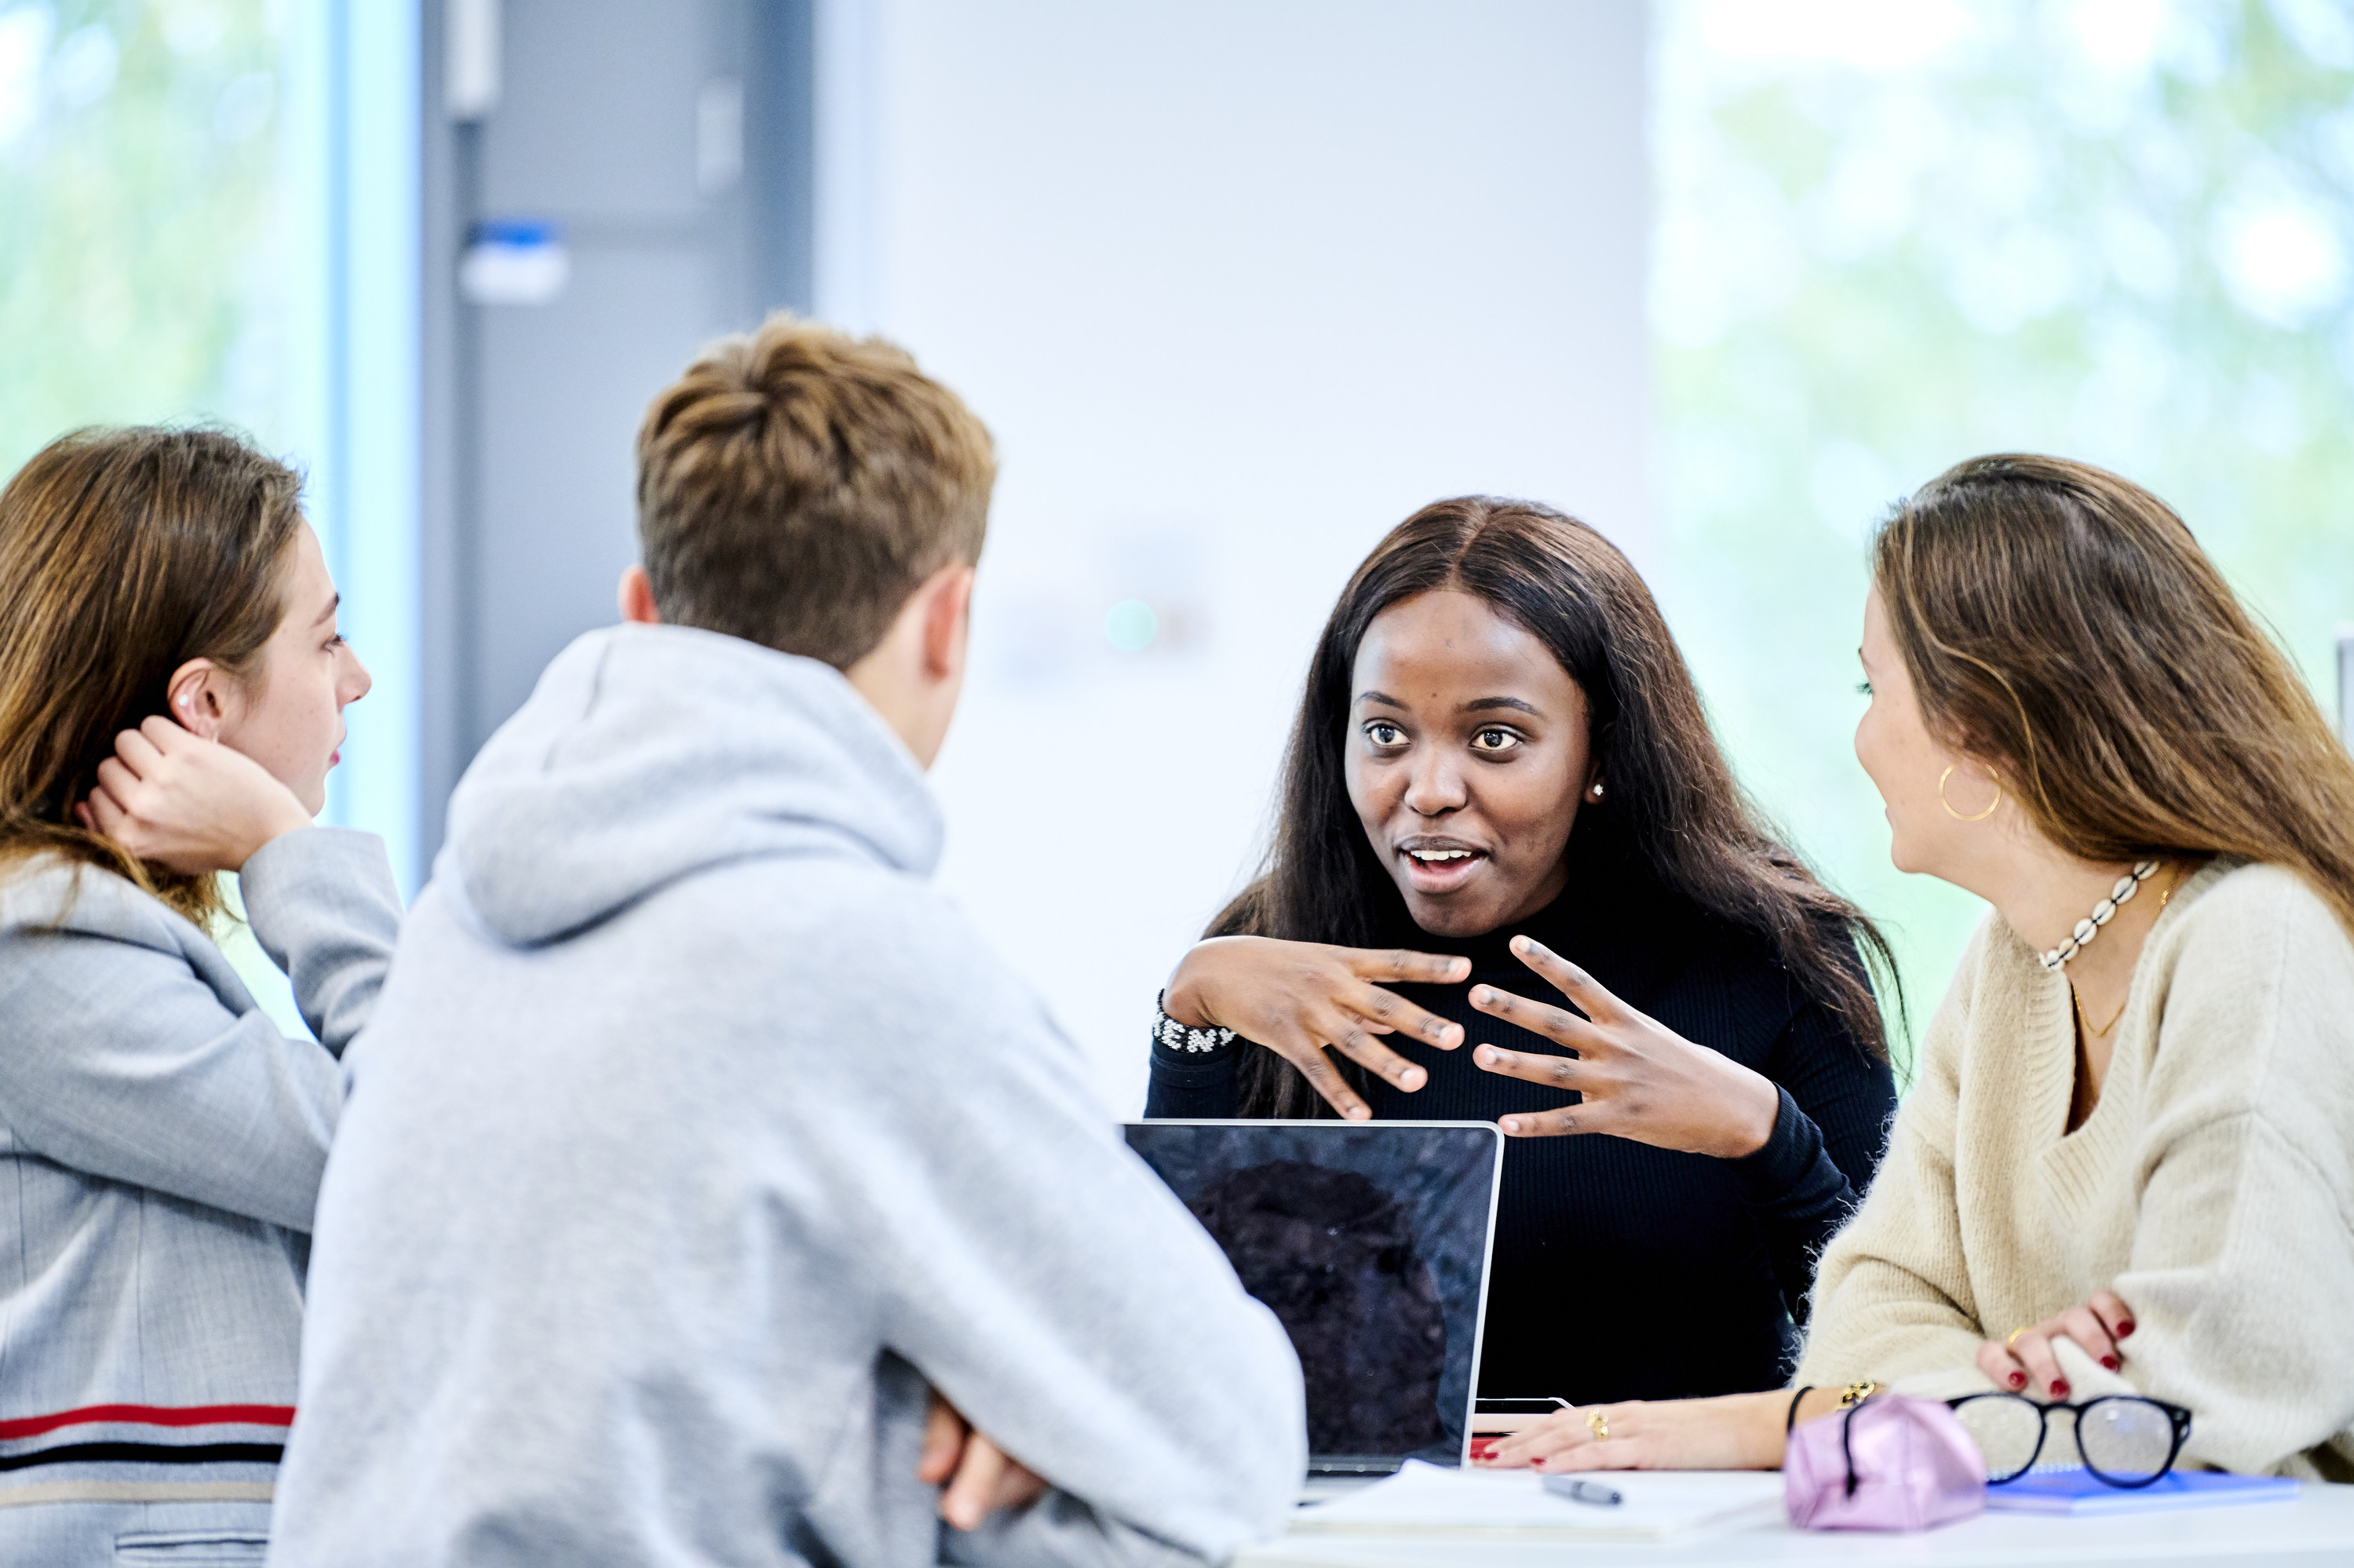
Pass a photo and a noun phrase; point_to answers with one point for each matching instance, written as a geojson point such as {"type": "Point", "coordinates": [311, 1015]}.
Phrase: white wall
{"type": "Point", "coordinates": [1237, 286]}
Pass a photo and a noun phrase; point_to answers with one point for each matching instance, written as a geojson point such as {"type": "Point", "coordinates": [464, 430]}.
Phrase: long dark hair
{"type": "Point", "coordinates": [1674, 811]}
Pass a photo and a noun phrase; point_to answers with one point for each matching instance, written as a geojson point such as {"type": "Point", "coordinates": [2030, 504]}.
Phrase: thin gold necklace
{"type": "Point", "coordinates": [2085, 1024]}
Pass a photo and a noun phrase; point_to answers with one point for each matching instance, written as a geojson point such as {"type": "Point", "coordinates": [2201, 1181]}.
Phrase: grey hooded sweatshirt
{"type": "Point", "coordinates": [694, 1136]}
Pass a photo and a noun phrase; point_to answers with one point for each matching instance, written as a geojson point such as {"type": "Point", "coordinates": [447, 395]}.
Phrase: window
{"type": "Point", "coordinates": [1892, 237]}
{"type": "Point", "coordinates": [207, 211]}
{"type": "Point", "coordinates": [144, 256]}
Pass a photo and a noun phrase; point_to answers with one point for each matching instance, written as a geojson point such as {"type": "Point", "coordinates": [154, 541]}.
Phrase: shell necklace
{"type": "Point", "coordinates": [2102, 912]}
{"type": "Point", "coordinates": [2112, 902]}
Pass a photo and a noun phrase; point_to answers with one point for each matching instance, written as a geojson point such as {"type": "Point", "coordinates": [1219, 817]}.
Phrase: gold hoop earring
{"type": "Point", "coordinates": [1982, 816]}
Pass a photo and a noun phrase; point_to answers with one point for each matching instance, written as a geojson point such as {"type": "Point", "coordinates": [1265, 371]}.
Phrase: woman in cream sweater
{"type": "Point", "coordinates": [2127, 1163]}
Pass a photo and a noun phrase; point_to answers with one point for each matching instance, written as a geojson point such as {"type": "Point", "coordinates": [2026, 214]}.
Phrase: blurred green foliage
{"type": "Point", "coordinates": [1891, 237]}
{"type": "Point", "coordinates": [144, 262]}
{"type": "Point", "coordinates": [141, 263]}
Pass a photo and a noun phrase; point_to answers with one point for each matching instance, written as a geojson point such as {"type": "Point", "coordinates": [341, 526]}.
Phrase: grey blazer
{"type": "Point", "coordinates": [160, 1145]}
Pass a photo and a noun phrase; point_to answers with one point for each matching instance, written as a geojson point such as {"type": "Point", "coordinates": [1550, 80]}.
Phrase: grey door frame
{"type": "Point", "coordinates": [778, 73]}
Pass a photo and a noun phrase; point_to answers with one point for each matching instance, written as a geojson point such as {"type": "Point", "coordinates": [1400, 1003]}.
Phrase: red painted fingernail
{"type": "Point", "coordinates": [2018, 1380]}
{"type": "Point", "coordinates": [2124, 1329]}
{"type": "Point", "coordinates": [2059, 1388]}
{"type": "Point", "coordinates": [1538, 1461]}
{"type": "Point", "coordinates": [2110, 1362]}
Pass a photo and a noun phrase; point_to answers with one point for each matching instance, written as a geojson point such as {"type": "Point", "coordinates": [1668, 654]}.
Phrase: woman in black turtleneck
{"type": "Point", "coordinates": [1505, 819]}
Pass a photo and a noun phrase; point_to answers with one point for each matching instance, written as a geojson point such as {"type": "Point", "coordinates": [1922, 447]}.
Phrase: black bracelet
{"type": "Point", "coordinates": [1790, 1421]}
{"type": "Point", "coordinates": [1184, 1037]}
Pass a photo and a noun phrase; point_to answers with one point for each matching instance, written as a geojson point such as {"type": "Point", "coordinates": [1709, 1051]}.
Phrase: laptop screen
{"type": "Point", "coordinates": [1369, 1241]}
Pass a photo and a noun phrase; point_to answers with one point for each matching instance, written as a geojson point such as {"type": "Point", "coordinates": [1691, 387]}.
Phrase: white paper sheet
{"type": "Point", "coordinates": [1432, 1500]}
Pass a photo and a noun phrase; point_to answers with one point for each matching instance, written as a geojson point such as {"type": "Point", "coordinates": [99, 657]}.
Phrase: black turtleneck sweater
{"type": "Point", "coordinates": [1623, 1271]}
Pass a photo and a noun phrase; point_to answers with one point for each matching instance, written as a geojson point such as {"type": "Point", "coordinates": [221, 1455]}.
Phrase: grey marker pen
{"type": "Point", "coordinates": [1585, 1491]}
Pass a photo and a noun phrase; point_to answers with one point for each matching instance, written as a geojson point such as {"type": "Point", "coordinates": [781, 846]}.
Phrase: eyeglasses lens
{"type": "Point", "coordinates": [2006, 1428]}
{"type": "Point", "coordinates": [2125, 1439]}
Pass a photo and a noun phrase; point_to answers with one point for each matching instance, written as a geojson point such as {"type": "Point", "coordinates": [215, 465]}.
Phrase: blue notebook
{"type": "Point", "coordinates": [2076, 1492]}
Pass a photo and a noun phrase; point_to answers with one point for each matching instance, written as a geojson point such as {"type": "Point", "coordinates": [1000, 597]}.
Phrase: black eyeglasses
{"type": "Point", "coordinates": [2124, 1440]}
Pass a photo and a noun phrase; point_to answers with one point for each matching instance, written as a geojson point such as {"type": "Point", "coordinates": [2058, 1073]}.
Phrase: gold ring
{"type": "Point", "coordinates": [1599, 1424]}
{"type": "Point", "coordinates": [2012, 1344]}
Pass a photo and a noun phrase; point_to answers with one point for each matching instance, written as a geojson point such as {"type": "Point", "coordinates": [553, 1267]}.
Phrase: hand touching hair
{"type": "Point", "coordinates": [124, 554]}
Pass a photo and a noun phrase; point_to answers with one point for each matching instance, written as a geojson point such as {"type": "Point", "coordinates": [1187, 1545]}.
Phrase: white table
{"type": "Point", "coordinates": [2317, 1528]}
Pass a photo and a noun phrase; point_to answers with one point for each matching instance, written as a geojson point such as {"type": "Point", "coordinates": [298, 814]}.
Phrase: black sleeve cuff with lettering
{"type": "Point", "coordinates": [1195, 1072]}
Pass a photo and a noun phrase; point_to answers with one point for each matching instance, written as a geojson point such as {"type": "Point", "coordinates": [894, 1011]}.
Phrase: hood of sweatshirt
{"type": "Point", "coordinates": [647, 754]}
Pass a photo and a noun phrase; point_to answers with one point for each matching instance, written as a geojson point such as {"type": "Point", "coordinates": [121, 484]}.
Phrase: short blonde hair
{"type": "Point", "coordinates": [797, 484]}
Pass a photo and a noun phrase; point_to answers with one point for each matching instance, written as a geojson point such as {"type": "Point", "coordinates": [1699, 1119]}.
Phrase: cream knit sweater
{"type": "Point", "coordinates": [2211, 1188]}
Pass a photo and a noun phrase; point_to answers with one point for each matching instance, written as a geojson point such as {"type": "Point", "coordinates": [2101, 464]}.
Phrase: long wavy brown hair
{"type": "Point", "coordinates": [1675, 813]}
{"type": "Point", "coordinates": [2062, 626]}
{"type": "Point", "coordinates": [123, 555]}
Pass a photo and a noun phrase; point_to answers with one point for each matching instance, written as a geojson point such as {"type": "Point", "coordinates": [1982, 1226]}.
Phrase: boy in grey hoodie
{"type": "Point", "coordinates": [698, 1148]}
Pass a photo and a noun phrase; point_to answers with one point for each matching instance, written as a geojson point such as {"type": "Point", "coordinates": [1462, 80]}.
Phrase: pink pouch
{"type": "Point", "coordinates": [1890, 1463]}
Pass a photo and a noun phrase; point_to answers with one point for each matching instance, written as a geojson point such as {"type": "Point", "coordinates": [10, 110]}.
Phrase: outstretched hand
{"type": "Point", "coordinates": [978, 1476]}
{"type": "Point", "coordinates": [1298, 998]}
{"type": "Point", "coordinates": [1640, 1079]}
{"type": "Point", "coordinates": [184, 802]}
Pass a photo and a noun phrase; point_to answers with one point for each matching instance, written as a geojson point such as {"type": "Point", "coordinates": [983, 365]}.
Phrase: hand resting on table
{"type": "Point", "coordinates": [2097, 1327]}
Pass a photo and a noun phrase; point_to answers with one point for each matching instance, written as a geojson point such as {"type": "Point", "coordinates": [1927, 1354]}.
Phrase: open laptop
{"type": "Point", "coordinates": [1369, 1241]}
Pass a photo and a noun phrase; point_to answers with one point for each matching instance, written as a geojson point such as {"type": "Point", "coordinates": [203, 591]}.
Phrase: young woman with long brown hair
{"type": "Point", "coordinates": [172, 684]}
{"type": "Point", "coordinates": [2127, 1164]}
{"type": "Point", "coordinates": [1501, 775]}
